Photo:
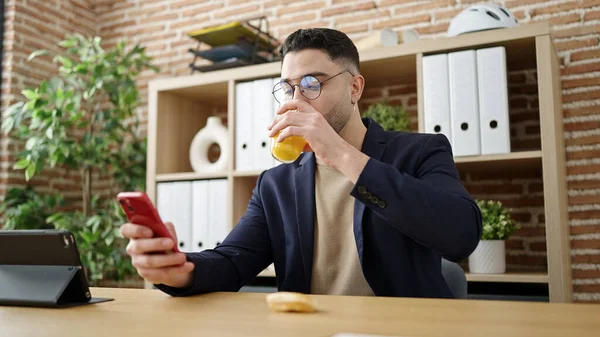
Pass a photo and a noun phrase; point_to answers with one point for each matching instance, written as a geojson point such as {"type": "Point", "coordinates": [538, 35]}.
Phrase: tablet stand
{"type": "Point", "coordinates": [44, 286]}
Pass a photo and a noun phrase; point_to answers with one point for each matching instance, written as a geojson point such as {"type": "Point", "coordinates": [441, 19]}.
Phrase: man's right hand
{"type": "Point", "coordinates": [167, 267]}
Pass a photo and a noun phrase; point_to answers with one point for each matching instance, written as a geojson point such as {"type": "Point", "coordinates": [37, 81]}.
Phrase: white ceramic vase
{"type": "Point", "coordinates": [488, 258]}
{"type": "Point", "coordinates": [213, 132]}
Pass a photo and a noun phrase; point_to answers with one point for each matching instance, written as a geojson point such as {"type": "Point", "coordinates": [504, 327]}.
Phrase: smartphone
{"type": "Point", "coordinates": [140, 211]}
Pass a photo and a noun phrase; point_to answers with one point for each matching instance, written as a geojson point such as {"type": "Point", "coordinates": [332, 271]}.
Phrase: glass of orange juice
{"type": "Point", "coordinates": [288, 150]}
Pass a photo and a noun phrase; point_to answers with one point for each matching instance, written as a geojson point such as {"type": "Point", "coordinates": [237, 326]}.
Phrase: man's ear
{"type": "Point", "coordinates": [358, 85]}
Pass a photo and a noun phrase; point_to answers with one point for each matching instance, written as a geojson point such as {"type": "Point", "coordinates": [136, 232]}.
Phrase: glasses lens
{"type": "Point", "coordinates": [311, 88]}
{"type": "Point", "coordinates": [283, 91]}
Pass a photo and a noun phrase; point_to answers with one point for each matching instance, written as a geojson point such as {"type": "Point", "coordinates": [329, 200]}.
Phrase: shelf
{"type": "Point", "coordinates": [247, 174]}
{"type": "Point", "coordinates": [189, 176]}
{"type": "Point", "coordinates": [510, 277]}
{"type": "Point", "coordinates": [500, 162]}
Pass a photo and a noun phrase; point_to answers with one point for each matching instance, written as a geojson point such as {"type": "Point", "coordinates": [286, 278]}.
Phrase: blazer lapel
{"type": "Point", "coordinates": [374, 146]}
{"type": "Point", "coordinates": [304, 181]}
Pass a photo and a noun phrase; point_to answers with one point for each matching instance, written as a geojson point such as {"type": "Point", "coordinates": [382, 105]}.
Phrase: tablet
{"type": "Point", "coordinates": [42, 268]}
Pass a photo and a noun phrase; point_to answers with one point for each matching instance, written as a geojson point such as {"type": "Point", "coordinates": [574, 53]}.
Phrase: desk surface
{"type": "Point", "coordinates": [144, 312]}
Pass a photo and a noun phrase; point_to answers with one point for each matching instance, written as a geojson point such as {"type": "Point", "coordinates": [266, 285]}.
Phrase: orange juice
{"type": "Point", "coordinates": [288, 150]}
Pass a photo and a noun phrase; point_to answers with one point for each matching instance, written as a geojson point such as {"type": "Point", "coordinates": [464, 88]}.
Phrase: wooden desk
{"type": "Point", "coordinates": [144, 312]}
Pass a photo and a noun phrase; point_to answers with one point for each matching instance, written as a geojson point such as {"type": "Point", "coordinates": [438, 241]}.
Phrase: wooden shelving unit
{"type": "Point", "coordinates": [179, 107]}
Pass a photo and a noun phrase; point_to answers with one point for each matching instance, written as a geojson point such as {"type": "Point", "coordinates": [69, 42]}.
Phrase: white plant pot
{"type": "Point", "coordinates": [488, 258]}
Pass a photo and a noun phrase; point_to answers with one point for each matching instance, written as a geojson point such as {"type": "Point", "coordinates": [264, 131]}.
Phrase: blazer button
{"type": "Point", "coordinates": [361, 189]}
{"type": "Point", "coordinates": [368, 195]}
{"type": "Point", "coordinates": [375, 200]}
{"type": "Point", "coordinates": [381, 204]}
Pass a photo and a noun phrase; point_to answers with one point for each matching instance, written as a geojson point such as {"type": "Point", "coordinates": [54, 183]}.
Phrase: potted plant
{"type": "Point", "coordinates": [83, 120]}
{"type": "Point", "coordinates": [489, 256]}
{"type": "Point", "coordinates": [390, 117]}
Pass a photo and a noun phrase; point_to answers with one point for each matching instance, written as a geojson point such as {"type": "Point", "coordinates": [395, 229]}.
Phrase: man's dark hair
{"type": "Point", "coordinates": [334, 43]}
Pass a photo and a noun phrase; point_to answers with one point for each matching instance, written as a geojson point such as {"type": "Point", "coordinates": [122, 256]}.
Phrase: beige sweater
{"type": "Point", "coordinates": [336, 267]}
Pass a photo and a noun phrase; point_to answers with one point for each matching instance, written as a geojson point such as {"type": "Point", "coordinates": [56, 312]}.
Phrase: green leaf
{"type": "Point", "coordinates": [65, 61]}
{"type": "Point", "coordinates": [21, 164]}
{"type": "Point", "coordinates": [68, 43]}
{"type": "Point", "coordinates": [36, 54]}
{"type": "Point", "coordinates": [50, 133]}
{"type": "Point", "coordinates": [30, 94]}
{"type": "Point", "coordinates": [30, 172]}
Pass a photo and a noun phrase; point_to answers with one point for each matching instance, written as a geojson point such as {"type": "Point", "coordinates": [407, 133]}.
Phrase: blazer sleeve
{"type": "Point", "coordinates": [432, 207]}
{"type": "Point", "coordinates": [244, 253]}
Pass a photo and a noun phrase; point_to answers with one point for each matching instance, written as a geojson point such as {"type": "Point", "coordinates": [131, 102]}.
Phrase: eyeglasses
{"type": "Point", "coordinates": [310, 87]}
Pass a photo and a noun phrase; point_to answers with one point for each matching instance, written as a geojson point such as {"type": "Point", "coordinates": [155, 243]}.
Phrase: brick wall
{"type": "Point", "coordinates": [161, 26]}
{"type": "Point", "coordinates": [31, 25]}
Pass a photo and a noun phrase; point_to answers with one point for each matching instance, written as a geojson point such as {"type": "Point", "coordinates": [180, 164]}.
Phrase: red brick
{"type": "Point", "coordinates": [586, 54]}
{"type": "Point", "coordinates": [584, 199]}
{"type": "Point", "coordinates": [586, 259]}
{"type": "Point", "coordinates": [526, 260]}
{"type": "Point", "coordinates": [581, 68]}
{"type": "Point", "coordinates": [144, 11]}
{"type": "Point", "coordinates": [583, 169]}
{"type": "Point", "coordinates": [363, 17]}
{"type": "Point", "coordinates": [273, 3]}
{"type": "Point", "coordinates": [299, 7]}
{"type": "Point", "coordinates": [585, 229]}
{"type": "Point", "coordinates": [583, 111]}
{"type": "Point", "coordinates": [447, 14]}
{"type": "Point", "coordinates": [581, 96]}
{"type": "Point", "coordinates": [576, 44]}
{"type": "Point", "coordinates": [576, 31]}
{"type": "Point", "coordinates": [581, 82]}
{"type": "Point", "coordinates": [538, 246]}
{"type": "Point", "coordinates": [531, 231]}
{"type": "Point", "coordinates": [204, 10]}
{"type": "Point", "coordinates": [521, 3]}
{"type": "Point", "coordinates": [385, 3]}
{"type": "Point", "coordinates": [362, 5]}
{"type": "Point", "coordinates": [249, 10]}
{"type": "Point", "coordinates": [189, 25]}
{"type": "Point", "coordinates": [583, 140]}
{"type": "Point", "coordinates": [112, 27]}
{"type": "Point", "coordinates": [433, 29]}
{"type": "Point", "coordinates": [349, 29]}
{"type": "Point", "coordinates": [532, 130]}
{"type": "Point", "coordinates": [296, 18]}
{"type": "Point", "coordinates": [514, 244]}
{"type": "Point", "coordinates": [579, 126]}
{"type": "Point", "coordinates": [563, 7]}
{"type": "Point", "coordinates": [583, 184]}
{"type": "Point", "coordinates": [586, 288]}
{"type": "Point", "coordinates": [403, 21]}
{"type": "Point", "coordinates": [288, 30]}
{"type": "Point", "coordinates": [159, 18]}
{"type": "Point", "coordinates": [421, 6]}
{"type": "Point", "coordinates": [592, 15]}
{"type": "Point", "coordinates": [410, 89]}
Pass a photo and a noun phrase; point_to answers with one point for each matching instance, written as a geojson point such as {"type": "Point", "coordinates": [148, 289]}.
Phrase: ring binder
{"type": "Point", "coordinates": [42, 268]}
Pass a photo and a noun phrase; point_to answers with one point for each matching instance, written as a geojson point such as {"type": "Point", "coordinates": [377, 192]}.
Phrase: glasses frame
{"type": "Point", "coordinates": [273, 91]}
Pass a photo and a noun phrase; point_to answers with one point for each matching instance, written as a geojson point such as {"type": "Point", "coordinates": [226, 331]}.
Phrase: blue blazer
{"type": "Point", "coordinates": [410, 210]}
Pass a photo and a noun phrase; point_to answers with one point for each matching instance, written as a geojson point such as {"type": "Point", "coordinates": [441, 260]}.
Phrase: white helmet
{"type": "Point", "coordinates": [481, 17]}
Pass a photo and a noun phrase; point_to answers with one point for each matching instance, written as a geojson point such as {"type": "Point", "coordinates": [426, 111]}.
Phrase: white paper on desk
{"type": "Point", "coordinates": [436, 95]}
{"type": "Point", "coordinates": [464, 103]}
{"type": "Point", "coordinates": [493, 100]}
{"type": "Point", "coordinates": [173, 203]}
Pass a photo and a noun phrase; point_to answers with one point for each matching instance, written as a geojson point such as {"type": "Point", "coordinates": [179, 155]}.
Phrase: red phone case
{"type": "Point", "coordinates": [140, 211]}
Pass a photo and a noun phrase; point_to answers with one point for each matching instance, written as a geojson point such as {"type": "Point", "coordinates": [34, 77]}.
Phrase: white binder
{"type": "Point", "coordinates": [263, 115]}
{"type": "Point", "coordinates": [275, 108]}
{"type": "Point", "coordinates": [493, 100]}
{"type": "Point", "coordinates": [200, 224]}
{"type": "Point", "coordinates": [217, 214]}
{"type": "Point", "coordinates": [436, 95]}
{"type": "Point", "coordinates": [243, 127]}
{"type": "Point", "coordinates": [464, 103]}
{"type": "Point", "coordinates": [173, 203]}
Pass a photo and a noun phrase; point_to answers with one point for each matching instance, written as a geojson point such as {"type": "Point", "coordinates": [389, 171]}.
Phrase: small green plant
{"type": "Point", "coordinates": [390, 117]}
{"type": "Point", "coordinates": [496, 220]}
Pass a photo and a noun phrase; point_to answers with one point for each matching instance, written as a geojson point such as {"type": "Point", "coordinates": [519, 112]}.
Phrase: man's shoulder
{"type": "Point", "coordinates": [414, 141]}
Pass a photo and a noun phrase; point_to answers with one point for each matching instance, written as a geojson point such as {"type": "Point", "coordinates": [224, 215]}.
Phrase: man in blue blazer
{"type": "Point", "coordinates": [363, 211]}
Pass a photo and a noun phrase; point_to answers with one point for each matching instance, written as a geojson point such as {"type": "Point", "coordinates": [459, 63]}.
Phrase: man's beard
{"type": "Point", "coordinates": [338, 117]}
